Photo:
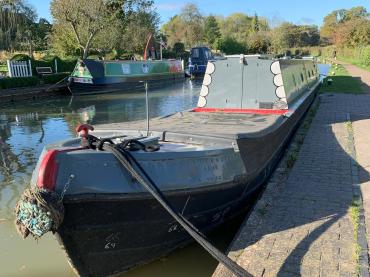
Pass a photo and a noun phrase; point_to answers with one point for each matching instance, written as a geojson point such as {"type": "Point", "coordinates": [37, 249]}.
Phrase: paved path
{"type": "Point", "coordinates": [357, 72]}
{"type": "Point", "coordinates": [302, 226]}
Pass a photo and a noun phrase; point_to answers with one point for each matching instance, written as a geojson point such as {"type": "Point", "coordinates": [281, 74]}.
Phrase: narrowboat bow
{"type": "Point", "coordinates": [206, 162]}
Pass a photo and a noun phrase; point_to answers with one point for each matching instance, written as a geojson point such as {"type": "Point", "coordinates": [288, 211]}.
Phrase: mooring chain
{"type": "Point", "coordinates": [66, 186]}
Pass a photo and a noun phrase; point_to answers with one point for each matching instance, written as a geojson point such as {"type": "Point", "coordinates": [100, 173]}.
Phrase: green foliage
{"type": "Point", "coordinates": [178, 48]}
{"type": "Point", "coordinates": [97, 24]}
{"type": "Point", "coordinates": [230, 46]}
{"type": "Point", "coordinates": [21, 57]}
{"type": "Point", "coordinates": [211, 30]}
{"type": "Point", "coordinates": [258, 43]}
{"type": "Point", "coordinates": [347, 27]}
{"type": "Point", "coordinates": [6, 83]}
{"type": "Point", "coordinates": [54, 78]}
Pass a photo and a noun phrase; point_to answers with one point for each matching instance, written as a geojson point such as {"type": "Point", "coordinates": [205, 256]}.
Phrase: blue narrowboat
{"type": "Point", "coordinates": [199, 57]}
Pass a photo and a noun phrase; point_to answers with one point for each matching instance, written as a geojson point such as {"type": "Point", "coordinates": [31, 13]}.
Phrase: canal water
{"type": "Point", "coordinates": [25, 128]}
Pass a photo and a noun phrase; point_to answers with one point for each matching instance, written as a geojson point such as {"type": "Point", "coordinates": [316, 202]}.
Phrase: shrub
{"type": "Point", "coordinates": [230, 46]}
{"type": "Point", "coordinates": [21, 57]}
{"type": "Point", "coordinates": [18, 82]}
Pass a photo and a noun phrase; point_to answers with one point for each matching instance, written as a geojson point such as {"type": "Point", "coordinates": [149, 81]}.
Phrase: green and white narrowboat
{"type": "Point", "coordinates": [95, 76]}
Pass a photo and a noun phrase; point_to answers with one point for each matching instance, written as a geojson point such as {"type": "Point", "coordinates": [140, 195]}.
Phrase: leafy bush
{"type": "Point", "coordinates": [21, 57]}
{"type": "Point", "coordinates": [18, 82]}
{"type": "Point", "coordinates": [54, 78]}
{"type": "Point", "coordinates": [366, 56]}
{"type": "Point", "coordinates": [230, 46]}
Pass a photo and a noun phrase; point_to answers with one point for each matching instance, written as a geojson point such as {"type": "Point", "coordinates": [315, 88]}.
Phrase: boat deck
{"type": "Point", "coordinates": [221, 125]}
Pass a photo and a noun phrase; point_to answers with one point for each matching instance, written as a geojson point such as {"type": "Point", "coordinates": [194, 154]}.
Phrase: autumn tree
{"type": "Point", "coordinates": [346, 27]}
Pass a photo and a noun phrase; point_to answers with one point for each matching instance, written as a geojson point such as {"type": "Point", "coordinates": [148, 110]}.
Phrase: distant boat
{"type": "Point", "coordinates": [95, 76]}
{"type": "Point", "coordinates": [199, 57]}
{"type": "Point", "coordinates": [207, 162]}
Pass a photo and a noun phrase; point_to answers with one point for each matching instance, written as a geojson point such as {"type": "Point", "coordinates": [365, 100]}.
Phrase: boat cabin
{"type": "Point", "coordinates": [199, 57]}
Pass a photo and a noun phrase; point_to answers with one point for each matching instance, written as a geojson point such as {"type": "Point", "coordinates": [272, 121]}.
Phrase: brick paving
{"type": "Point", "coordinates": [302, 226]}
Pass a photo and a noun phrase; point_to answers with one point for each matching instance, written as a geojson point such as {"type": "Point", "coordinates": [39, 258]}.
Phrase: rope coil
{"type": "Point", "coordinates": [38, 212]}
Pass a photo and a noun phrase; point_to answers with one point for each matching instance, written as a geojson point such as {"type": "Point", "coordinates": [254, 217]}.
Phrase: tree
{"type": "Point", "coordinates": [16, 25]}
{"type": "Point", "coordinates": [338, 25]}
{"type": "Point", "coordinates": [211, 30]}
{"type": "Point", "coordinates": [86, 20]}
{"type": "Point", "coordinates": [258, 43]}
{"type": "Point", "coordinates": [174, 30]}
{"type": "Point", "coordinates": [236, 26]}
{"type": "Point", "coordinates": [255, 25]}
{"type": "Point", "coordinates": [135, 33]}
{"type": "Point", "coordinates": [193, 25]}
{"type": "Point", "coordinates": [230, 46]}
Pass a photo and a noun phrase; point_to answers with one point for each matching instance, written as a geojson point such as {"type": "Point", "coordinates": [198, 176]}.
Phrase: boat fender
{"type": "Point", "coordinates": [38, 212]}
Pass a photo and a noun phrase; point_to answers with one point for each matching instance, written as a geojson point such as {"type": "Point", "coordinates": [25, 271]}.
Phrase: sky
{"type": "Point", "coordinates": [295, 11]}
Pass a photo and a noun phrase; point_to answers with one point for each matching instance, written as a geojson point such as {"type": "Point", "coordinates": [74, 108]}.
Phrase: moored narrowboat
{"type": "Point", "coordinates": [96, 76]}
{"type": "Point", "coordinates": [206, 162]}
{"type": "Point", "coordinates": [198, 60]}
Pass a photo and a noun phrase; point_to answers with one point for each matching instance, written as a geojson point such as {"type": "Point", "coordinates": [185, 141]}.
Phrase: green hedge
{"type": "Point", "coordinates": [359, 56]}
{"type": "Point", "coordinates": [54, 78]}
{"type": "Point", "coordinates": [18, 82]}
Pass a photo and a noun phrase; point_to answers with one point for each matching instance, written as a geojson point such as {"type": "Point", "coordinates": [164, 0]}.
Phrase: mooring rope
{"type": "Point", "coordinates": [127, 161]}
{"type": "Point", "coordinates": [38, 212]}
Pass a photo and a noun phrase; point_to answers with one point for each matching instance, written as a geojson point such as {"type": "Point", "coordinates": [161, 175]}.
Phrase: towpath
{"type": "Point", "coordinates": [303, 225]}
{"type": "Point", "coordinates": [362, 74]}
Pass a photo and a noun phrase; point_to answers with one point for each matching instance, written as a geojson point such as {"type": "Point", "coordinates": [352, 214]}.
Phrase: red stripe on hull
{"type": "Point", "coordinates": [254, 111]}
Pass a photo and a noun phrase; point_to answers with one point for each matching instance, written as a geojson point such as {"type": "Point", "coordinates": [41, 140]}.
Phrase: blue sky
{"type": "Point", "coordinates": [299, 12]}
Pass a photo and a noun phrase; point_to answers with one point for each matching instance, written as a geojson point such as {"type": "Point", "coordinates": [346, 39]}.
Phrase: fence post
{"type": "Point", "coordinates": [30, 67]}
{"type": "Point", "coordinates": [9, 63]}
{"type": "Point", "coordinates": [56, 65]}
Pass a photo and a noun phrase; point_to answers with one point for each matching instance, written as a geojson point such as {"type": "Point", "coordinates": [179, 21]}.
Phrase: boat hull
{"type": "Point", "coordinates": [110, 85]}
{"type": "Point", "coordinates": [108, 234]}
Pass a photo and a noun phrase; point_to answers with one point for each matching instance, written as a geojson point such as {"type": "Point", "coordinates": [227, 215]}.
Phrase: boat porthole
{"type": "Point", "coordinates": [278, 80]}
{"type": "Point", "coordinates": [202, 101]}
{"type": "Point", "coordinates": [211, 67]}
{"type": "Point", "coordinates": [207, 80]}
{"type": "Point", "coordinates": [204, 91]}
{"type": "Point", "coordinates": [275, 68]}
{"type": "Point", "coordinates": [280, 92]}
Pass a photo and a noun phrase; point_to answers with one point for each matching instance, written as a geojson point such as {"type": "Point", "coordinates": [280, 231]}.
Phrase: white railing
{"type": "Point", "coordinates": [19, 68]}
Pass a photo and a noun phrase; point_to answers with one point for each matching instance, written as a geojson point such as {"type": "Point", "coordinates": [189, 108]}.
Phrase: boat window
{"type": "Point", "coordinates": [208, 55]}
{"type": "Point", "coordinates": [309, 74]}
{"type": "Point", "coordinates": [302, 77]}
{"type": "Point", "coordinates": [294, 81]}
{"type": "Point", "coordinates": [195, 53]}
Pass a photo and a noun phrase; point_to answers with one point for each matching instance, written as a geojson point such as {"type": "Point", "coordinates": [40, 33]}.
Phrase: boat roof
{"type": "Point", "coordinates": [220, 125]}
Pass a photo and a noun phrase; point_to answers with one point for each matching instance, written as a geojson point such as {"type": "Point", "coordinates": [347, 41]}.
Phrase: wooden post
{"type": "Point", "coordinates": [9, 63]}
{"type": "Point", "coordinates": [30, 67]}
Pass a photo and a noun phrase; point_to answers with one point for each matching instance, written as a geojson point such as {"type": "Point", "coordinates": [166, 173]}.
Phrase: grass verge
{"type": "Point", "coordinates": [342, 81]}
{"type": "Point", "coordinates": [354, 211]}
